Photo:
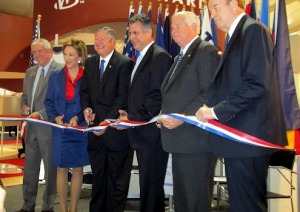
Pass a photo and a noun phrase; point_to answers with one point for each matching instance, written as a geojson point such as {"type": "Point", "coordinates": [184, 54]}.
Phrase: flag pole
{"type": "Point", "coordinates": [39, 18]}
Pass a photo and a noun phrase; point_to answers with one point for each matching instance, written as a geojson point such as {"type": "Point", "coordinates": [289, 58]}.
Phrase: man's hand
{"type": "Point", "coordinates": [204, 113]}
{"type": "Point", "coordinates": [122, 117]}
{"type": "Point", "coordinates": [169, 122]}
{"type": "Point", "coordinates": [25, 110]}
{"type": "Point", "coordinates": [89, 116]}
{"type": "Point", "coordinates": [35, 115]}
{"type": "Point", "coordinates": [98, 133]}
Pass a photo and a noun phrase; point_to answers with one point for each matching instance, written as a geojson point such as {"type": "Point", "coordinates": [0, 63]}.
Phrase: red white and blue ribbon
{"type": "Point", "coordinates": [210, 126]}
{"type": "Point", "coordinates": [225, 131]}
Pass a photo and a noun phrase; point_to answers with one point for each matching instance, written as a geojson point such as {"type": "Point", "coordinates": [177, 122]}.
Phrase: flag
{"type": "Point", "coordinates": [160, 30]}
{"type": "Point", "coordinates": [206, 33]}
{"type": "Point", "coordinates": [150, 10]}
{"type": "Point", "coordinates": [167, 33]}
{"type": "Point", "coordinates": [128, 48]}
{"type": "Point", "coordinates": [175, 49]}
{"type": "Point", "coordinates": [140, 10]}
{"type": "Point", "coordinates": [264, 12]}
{"type": "Point", "coordinates": [284, 67]}
{"type": "Point", "coordinates": [214, 33]}
{"type": "Point", "coordinates": [36, 35]}
{"type": "Point", "coordinates": [250, 9]}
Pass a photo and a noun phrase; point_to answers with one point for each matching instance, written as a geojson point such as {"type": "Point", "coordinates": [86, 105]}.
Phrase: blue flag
{"type": "Point", "coordinates": [167, 35]}
{"type": "Point", "coordinates": [128, 49]}
{"type": "Point", "coordinates": [264, 12]}
{"type": "Point", "coordinates": [214, 33]}
{"type": "Point", "coordinates": [36, 35]}
{"type": "Point", "coordinates": [160, 30]}
{"type": "Point", "coordinates": [284, 67]}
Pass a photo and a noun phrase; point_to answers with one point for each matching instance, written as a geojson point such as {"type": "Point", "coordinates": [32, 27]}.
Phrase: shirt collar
{"type": "Point", "coordinates": [143, 52]}
{"type": "Point", "coordinates": [234, 24]}
{"type": "Point", "coordinates": [188, 45]}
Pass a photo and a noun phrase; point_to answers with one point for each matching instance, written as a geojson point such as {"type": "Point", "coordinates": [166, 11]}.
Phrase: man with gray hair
{"type": "Point", "coordinates": [38, 140]}
{"type": "Point", "coordinates": [192, 159]}
{"type": "Point", "coordinates": [103, 92]}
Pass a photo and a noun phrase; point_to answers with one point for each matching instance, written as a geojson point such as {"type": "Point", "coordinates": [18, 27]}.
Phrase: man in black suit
{"type": "Point", "coordinates": [183, 90]}
{"type": "Point", "coordinates": [144, 103]}
{"type": "Point", "coordinates": [244, 95]}
{"type": "Point", "coordinates": [103, 92]}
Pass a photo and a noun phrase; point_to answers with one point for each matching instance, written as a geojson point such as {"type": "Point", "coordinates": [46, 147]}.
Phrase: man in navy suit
{"type": "Point", "coordinates": [103, 93]}
{"type": "Point", "coordinates": [244, 95]}
{"type": "Point", "coordinates": [144, 103]}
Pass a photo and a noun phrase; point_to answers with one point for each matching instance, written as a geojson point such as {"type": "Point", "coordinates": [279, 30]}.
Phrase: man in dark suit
{"type": "Point", "coordinates": [183, 90]}
{"type": "Point", "coordinates": [38, 140]}
{"type": "Point", "coordinates": [144, 103]}
{"type": "Point", "coordinates": [103, 92]}
{"type": "Point", "coordinates": [244, 95]}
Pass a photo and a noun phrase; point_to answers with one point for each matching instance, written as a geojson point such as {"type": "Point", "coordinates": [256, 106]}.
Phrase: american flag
{"type": "Point", "coordinates": [36, 35]}
{"type": "Point", "coordinates": [128, 48]}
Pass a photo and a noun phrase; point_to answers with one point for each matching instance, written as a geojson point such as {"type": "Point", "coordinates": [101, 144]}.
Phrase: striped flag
{"type": "Point", "coordinates": [160, 30]}
{"type": "Point", "coordinates": [36, 35]}
{"type": "Point", "coordinates": [284, 67]}
{"type": "Point", "coordinates": [250, 9]}
{"type": "Point", "coordinates": [285, 74]}
{"type": "Point", "coordinates": [128, 48]}
{"type": "Point", "coordinates": [206, 33]}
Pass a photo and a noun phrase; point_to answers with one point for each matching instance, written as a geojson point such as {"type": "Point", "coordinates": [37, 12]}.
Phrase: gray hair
{"type": "Point", "coordinates": [111, 32]}
{"type": "Point", "coordinates": [189, 18]}
{"type": "Point", "coordinates": [43, 42]}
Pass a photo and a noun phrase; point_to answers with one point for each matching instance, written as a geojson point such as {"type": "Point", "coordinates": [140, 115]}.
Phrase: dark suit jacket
{"type": "Point", "coordinates": [144, 99]}
{"type": "Point", "coordinates": [185, 93]}
{"type": "Point", "coordinates": [244, 91]}
{"type": "Point", "coordinates": [109, 95]}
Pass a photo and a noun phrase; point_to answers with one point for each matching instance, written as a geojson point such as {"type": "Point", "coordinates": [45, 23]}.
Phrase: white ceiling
{"type": "Point", "coordinates": [25, 8]}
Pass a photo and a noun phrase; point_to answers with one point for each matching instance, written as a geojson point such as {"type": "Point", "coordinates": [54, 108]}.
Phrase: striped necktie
{"type": "Point", "coordinates": [179, 58]}
{"type": "Point", "coordinates": [101, 68]}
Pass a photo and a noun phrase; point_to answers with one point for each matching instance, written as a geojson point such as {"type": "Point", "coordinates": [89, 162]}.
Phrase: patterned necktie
{"type": "Point", "coordinates": [137, 62]}
{"type": "Point", "coordinates": [179, 58]}
{"type": "Point", "coordinates": [226, 41]}
{"type": "Point", "coordinates": [101, 68]}
{"type": "Point", "coordinates": [38, 88]}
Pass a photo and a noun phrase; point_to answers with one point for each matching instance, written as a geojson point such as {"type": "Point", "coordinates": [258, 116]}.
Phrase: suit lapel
{"type": "Point", "coordinates": [31, 82]}
{"type": "Point", "coordinates": [142, 63]}
{"type": "Point", "coordinates": [51, 68]}
{"type": "Point", "coordinates": [108, 70]}
{"type": "Point", "coordinates": [181, 66]}
{"type": "Point", "coordinates": [231, 41]}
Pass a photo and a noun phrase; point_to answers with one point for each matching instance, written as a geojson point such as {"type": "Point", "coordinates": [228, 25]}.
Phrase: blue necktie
{"type": "Point", "coordinates": [179, 58]}
{"type": "Point", "coordinates": [101, 68]}
{"type": "Point", "coordinates": [226, 41]}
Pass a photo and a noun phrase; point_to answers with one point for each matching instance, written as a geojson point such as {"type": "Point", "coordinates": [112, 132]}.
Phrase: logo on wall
{"type": "Point", "coordinates": [66, 4]}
